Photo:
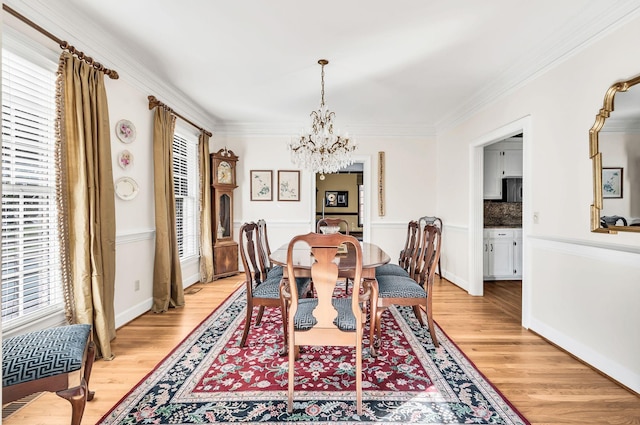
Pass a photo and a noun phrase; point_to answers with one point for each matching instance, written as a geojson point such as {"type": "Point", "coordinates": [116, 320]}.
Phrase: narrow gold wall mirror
{"type": "Point", "coordinates": [614, 148]}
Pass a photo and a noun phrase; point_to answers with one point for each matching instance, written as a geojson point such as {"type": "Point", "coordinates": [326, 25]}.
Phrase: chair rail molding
{"type": "Point", "coordinates": [135, 236]}
{"type": "Point", "coordinates": [618, 254]}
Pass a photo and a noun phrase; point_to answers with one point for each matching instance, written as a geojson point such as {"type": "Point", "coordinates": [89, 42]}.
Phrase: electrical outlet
{"type": "Point", "coordinates": [136, 285]}
{"type": "Point", "coordinates": [536, 217]}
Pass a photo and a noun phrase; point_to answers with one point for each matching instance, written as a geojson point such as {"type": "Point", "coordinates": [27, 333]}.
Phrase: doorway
{"type": "Point", "coordinates": [354, 206]}
{"type": "Point", "coordinates": [476, 210]}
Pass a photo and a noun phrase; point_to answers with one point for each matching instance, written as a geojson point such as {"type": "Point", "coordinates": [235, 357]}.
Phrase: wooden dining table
{"type": "Point", "coordinates": [372, 257]}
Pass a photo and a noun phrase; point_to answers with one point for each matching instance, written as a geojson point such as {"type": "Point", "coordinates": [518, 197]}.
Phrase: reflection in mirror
{"type": "Point", "coordinates": [615, 151]}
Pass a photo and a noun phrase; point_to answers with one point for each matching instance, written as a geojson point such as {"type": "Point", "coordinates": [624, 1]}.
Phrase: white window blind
{"type": "Point", "coordinates": [31, 276]}
{"type": "Point", "coordinates": [186, 189]}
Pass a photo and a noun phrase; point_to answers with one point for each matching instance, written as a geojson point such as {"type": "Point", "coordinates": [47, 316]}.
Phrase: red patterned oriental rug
{"type": "Point", "coordinates": [209, 379]}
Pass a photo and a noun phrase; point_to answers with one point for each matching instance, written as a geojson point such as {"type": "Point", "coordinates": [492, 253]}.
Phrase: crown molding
{"type": "Point", "coordinates": [99, 44]}
{"type": "Point", "coordinates": [588, 28]}
{"type": "Point", "coordinates": [288, 130]}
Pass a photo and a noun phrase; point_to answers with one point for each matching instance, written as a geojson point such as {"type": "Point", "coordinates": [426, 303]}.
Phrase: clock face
{"type": "Point", "coordinates": [224, 173]}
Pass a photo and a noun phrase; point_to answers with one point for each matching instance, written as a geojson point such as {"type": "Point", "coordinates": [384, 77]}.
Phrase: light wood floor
{"type": "Point", "coordinates": [544, 383]}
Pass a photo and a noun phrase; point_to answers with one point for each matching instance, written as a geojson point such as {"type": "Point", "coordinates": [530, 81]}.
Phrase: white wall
{"type": "Point", "coordinates": [135, 220]}
{"type": "Point", "coordinates": [582, 287]}
{"type": "Point", "coordinates": [409, 186]}
{"type": "Point", "coordinates": [135, 225]}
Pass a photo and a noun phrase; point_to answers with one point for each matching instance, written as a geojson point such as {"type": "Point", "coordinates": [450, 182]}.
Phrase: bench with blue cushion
{"type": "Point", "coordinates": [49, 360]}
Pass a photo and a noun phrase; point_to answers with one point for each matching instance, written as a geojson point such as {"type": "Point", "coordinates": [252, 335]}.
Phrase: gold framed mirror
{"type": "Point", "coordinates": [614, 148]}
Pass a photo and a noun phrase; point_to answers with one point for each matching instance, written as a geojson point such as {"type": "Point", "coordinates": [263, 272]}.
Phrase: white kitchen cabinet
{"type": "Point", "coordinates": [517, 253]}
{"type": "Point", "coordinates": [512, 161]}
{"type": "Point", "coordinates": [492, 174]}
{"type": "Point", "coordinates": [502, 254]}
{"type": "Point", "coordinates": [502, 159]}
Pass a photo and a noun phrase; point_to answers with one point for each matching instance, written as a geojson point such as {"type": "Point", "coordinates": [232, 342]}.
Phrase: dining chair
{"type": "Point", "coordinates": [405, 291]}
{"type": "Point", "coordinates": [326, 320]}
{"type": "Point", "coordinates": [406, 260]}
{"type": "Point", "coordinates": [273, 270]}
{"type": "Point", "coordinates": [429, 219]}
{"type": "Point", "coordinates": [261, 292]}
{"type": "Point", "coordinates": [332, 222]}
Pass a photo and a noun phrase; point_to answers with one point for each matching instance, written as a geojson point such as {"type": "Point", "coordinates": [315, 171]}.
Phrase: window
{"type": "Point", "coordinates": [31, 274]}
{"type": "Point", "coordinates": [186, 189]}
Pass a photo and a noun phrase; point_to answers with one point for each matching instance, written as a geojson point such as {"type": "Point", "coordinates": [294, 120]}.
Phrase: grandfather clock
{"type": "Point", "coordinates": [223, 182]}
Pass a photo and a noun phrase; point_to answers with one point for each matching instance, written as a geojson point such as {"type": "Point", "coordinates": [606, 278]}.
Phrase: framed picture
{"type": "Point", "coordinates": [288, 185]}
{"type": "Point", "coordinates": [336, 198]}
{"type": "Point", "coordinates": [343, 199]}
{"type": "Point", "coordinates": [330, 199]}
{"type": "Point", "coordinates": [612, 182]}
{"type": "Point", "coordinates": [261, 185]}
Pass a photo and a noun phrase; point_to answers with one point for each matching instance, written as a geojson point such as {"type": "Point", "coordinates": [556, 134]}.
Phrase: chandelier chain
{"type": "Point", "coordinates": [322, 83]}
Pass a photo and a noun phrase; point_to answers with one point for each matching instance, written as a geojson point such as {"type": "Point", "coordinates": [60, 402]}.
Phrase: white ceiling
{"type": "Point", "coordinates": [417, 65]}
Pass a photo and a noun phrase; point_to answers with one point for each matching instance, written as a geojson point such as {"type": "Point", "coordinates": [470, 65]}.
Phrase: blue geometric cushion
{"type": "Point", "coordinates": [44, 353]}
{"type": "Point", "coordinates": [304, 319]}
{"type": "Point", "coordinates": [399, 287]}
{"type": "Point", "coordinates": [270, 288]}
{"type": "Point", "coordinates": [391, 269]}
{"type": "Point", "coordinates": [275, 272]}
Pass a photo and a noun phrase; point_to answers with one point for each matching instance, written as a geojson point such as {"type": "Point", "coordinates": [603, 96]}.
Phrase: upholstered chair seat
{"type": "Point", "coordinates": [391, 269]}
{"type": "Point", "coordinates": [270, 288]}
{"type": "Point", "coordinates": [399, 287]}
{"type": "Point", "coordinates": [275, 272]}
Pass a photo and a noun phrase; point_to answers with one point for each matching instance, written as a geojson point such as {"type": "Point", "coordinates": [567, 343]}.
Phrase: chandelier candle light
{"type": "Point", "coordinates": [320, 150]}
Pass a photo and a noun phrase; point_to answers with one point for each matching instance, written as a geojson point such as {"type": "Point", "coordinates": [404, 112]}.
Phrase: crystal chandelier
{"type": "Point", "coordinates": [319, 149]}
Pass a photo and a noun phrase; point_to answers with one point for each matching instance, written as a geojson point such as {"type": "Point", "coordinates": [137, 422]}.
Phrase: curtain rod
{"type": "Point", "coordinates": [63, 44]}
{"type": "Point", "coordinates": [153, 102]}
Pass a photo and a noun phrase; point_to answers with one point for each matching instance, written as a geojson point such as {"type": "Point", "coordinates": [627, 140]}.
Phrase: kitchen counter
{"type": "Point", "coordinates": [503, 214]}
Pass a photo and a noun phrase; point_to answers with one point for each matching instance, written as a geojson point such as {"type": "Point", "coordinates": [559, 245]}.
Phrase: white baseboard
{"type": "Point", "coordinates": [456, 280]}
{"type": "Point", "coordinates": [133, 312]}
{"type": "Point", "coordinates": [144, 306]}
{"type": "Point", "coordinates": [616, 371]}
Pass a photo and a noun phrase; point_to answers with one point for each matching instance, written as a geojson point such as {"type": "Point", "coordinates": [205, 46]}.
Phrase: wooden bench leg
{"type": "Point", "coordinates": [77, 396]}
{"type": "Point", "coordinates": [91, 355]}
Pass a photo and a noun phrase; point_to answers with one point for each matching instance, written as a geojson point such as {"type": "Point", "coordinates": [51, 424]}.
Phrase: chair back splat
{"type": "Point", "coordinates": [264, 251]}
{"type": "Point", "coordinates": [430, 219]}
{"type": "Point", "coordinates": [332, 222]}
{"type": "Point", "coordinates": [341, 225]}
{"type": "Point", "coordinates": [329, 319]}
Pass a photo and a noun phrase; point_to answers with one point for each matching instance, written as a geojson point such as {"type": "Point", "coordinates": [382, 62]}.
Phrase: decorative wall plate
{"type": "Point", "coordinates": [125, 159]}
{"type": "Point", "coordinates": [126, 131]}
{"type": "Point", "coordinates": [126, 188]}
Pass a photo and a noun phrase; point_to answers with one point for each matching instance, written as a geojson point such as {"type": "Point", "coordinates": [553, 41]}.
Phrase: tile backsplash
{"type": "Point", "coordinates": [502, 214]}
